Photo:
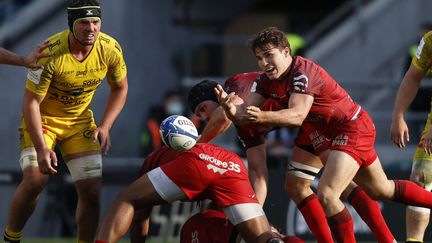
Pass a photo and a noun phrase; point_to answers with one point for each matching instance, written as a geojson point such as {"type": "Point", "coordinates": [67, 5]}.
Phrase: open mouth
{"type": "Point", "coordinates": [269, 69]}
{"type": "Point", "coordinates": [90, 36]}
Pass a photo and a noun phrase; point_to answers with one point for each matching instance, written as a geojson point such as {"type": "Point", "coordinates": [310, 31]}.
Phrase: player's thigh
{"type": "Point", "coordinates": [163, 183]}
{"type": "Point", "coordinates": [248, 218]}
{"type": "Point", "coordinates": [81, 154]}
{"type": "Point", "coordinates": [351, 186]}
{"type": "Point", "coordinates": [28, 156]}
{"type": "Point", "coordinates": [303, 164]}
{"type": "Point", "coordinates": [303, 156]}
{"type": "Point", "coordinates": [141, 193]}
{"type": "Point", "coordinates": [79, 141]}
{"type": "Point", "coordinates": [89, 189]}
{"type": "Point", "coordinates": [421, 171]}
{"type": "Point", "coordinates": [339, 171]}
{"type": "Point", "coordinates": [301, 171]}
{"type": "Point", "coordinates": [374, 181]}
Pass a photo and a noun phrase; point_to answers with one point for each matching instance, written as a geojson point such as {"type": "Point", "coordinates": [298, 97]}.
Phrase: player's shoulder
{"type": "Point", "coordinates": [57, 47]}
{"type": "Point", "coordinates": [242, 79]}
{"type": "Point", "coordinates": [58, 43]}
{"type": "Point", "coordinates": [305, 67]}
{"type": "Point", "coordinates": [245, 76]}
{"type": "Point", "coordinates": [108, 42]}
{"type": "Point", "coordinates": [302, 63]}
{"type": "Point", "coordinates": [428, 37]}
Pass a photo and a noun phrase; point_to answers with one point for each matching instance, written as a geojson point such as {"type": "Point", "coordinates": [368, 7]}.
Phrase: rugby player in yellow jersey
{"type": "Point", "coordinates": [56, 111]}
{"type": "Point", "coordinates": [417, 218]}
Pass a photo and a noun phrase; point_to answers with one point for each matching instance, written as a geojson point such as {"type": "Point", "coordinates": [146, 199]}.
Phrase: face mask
{"type": "Point", "coordinates": [175, 108]}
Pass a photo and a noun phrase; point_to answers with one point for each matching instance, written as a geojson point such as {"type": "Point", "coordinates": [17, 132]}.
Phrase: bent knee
{"type": "Point", "coordinates": [326, 195]}
{"type": "Point", "coordinates": [381, 192]}
{"type": "Point", "coordinates": [35, 183]}
{"type": "Point", "coordinates": [297, 188]}
{"type": "Point", "coordinates": [89, 190]}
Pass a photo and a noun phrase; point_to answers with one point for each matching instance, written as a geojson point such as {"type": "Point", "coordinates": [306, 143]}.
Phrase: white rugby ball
{"type": "Point", "coordinates": [178, 132]}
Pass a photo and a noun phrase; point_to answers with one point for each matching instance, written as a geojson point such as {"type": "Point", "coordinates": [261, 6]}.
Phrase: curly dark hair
{"type": "Point", "coordinates": [269, 36]}
{"type": "Point", "coordinates": [81, 3]}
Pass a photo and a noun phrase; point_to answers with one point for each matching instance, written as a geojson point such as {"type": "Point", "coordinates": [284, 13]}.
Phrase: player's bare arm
{"type": "Point", "coordinates": [46, 157]}
{"type": "Point", "coordinates": [299, 106]}
{"type": "Point", "coordinates": [216, 125]}
{"type": "Point", "coordinates": [29, 61]}
{"type": "Point", "coordinates": [257, 170]}
{"type": "Point", "coordinates": [116, 101]}
{"type": "Point", "coordinates": [236, 111]}
{"type": "Point", "coordinates": [399, 132]}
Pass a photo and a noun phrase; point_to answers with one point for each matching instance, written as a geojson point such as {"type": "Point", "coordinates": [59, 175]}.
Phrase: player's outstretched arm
{"type": "Point", "coordinates": [298, 109]}
{"type": "Point", "coordinates": [234, 110]}
{"type": "Point", "coordinates": [29, 61]}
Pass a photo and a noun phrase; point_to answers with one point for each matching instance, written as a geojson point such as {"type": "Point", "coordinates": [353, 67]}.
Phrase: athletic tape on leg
{"type": "Point", "coordinates": [239, 213]}
{"type": "Point", "coordinates": [164, 186]}
{"type": "Point", "coordinates": [301, 170]}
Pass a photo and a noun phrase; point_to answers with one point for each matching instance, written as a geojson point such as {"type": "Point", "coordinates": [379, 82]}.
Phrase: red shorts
{"type": "Point", "coordinates": [211, 174]}
{"type": "Point", "coordinates": [356, 138]}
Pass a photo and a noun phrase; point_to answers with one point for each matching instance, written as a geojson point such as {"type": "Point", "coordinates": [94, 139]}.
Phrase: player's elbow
{"type": "Point", "coordinates": [298, 119]}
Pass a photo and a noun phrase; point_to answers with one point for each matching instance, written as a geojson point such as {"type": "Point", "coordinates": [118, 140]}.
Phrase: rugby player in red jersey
{"type": "Point", "coordinates": [330, 120]}
{"type": "Point", "coordinates": [205, 171]}
{"type": "Point", "coordinates": [213, 226]}
{"type": "Point", "coordinates": [203, 102]}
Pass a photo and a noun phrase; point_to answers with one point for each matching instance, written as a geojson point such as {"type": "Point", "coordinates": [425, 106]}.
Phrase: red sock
{"type": "Point", "coordinates": [100, 241]}
{"type": "Point", "coordinates": [369, 210]}
{"type": "Point", "coordinates": [409, 193]}
{"type": "Point", "coordinates": [315, 218]}
{"type": "Point", "coordinates": [342, 227]}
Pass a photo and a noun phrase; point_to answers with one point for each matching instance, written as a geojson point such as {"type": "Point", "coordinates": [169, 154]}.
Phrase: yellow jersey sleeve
{"type": "Point", "coordinates": [38, 81]}
{"type": "Point", "coordinates": [423, 57]}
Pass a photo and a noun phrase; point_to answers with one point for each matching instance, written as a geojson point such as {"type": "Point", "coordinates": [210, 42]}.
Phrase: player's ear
{"type": "Point", "coordinates": [286, 52]}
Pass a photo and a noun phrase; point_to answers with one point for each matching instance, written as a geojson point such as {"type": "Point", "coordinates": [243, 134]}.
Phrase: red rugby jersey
{"type": "Point", "coordinates": [243, 84]}
{"type": "Point", "coordinates": [209, 226]}
{"type": "Point", "coordinates": [332, 104]}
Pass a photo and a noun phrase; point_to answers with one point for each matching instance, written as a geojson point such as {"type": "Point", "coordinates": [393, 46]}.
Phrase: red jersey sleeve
{"type": "Point", "coordinates": [242, 84]}
{"type": "Point", "coordinates": [305, 79]}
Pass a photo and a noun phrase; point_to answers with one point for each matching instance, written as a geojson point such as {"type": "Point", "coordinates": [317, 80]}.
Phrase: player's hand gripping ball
{"type": "Point", "coordinates": [178, 132]}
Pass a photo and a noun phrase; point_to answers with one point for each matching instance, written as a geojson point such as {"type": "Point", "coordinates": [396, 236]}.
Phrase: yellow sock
{"type": "Point", "coordinates": [13, 236]}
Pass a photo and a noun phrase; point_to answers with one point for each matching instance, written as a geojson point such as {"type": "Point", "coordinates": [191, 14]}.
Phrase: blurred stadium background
{"type": "Point", "coordinates": [175, 43]}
